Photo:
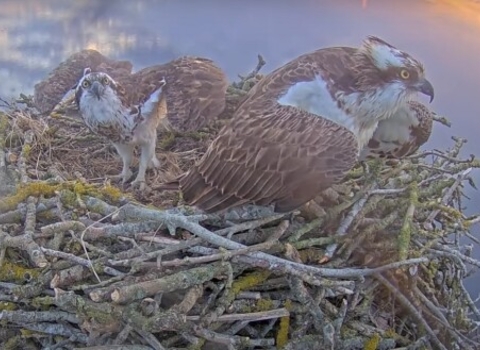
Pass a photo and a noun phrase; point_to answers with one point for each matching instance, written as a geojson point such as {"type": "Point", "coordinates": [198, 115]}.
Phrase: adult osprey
{"type": "Point", "coordinates": [402, 134]}
{"type": "Point", "coordinates": [301, 128]}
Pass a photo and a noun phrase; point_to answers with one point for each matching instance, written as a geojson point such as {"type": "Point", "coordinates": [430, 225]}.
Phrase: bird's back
{"type": "Point", "coordinates": [274, 154]}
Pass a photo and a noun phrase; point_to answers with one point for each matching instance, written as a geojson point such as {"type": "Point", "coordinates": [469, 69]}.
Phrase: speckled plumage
{"type": "Point", "coordinates": [300, 128]}
{"type": "Point", "coordinates": [402, 135]}
{"type": "Point", "coordinates": [53, 88]}
{"type": "Point", "coordinates": [195, 93]}
{"type": "Point", "coordinates": [107, 111]}
{"type": "Point", "coordinates": [193, 96]}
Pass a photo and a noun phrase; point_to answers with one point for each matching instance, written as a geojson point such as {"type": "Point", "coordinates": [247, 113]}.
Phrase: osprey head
{"type": "Point", "coordinates": [95, 85]}
{"type": "Point", "coordinates": [381, 63]}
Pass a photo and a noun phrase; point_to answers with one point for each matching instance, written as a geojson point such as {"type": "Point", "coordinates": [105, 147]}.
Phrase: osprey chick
{"type": "Point", "coordinates": [401, 135]}
{"type": "Point", "coordinates": [107, 112]}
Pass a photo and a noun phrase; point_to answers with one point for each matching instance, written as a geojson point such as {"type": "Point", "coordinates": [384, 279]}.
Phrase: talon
{"type": "Point", "coordinates": [154, 164]}
{"type": "Point", "coordinates": [139, 185]}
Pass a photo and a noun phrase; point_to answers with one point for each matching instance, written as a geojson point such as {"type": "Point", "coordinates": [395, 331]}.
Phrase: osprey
{"type": "Point", "coordinates": [110, 112]}
{"type": "Point", "coordinates": [52, 89]}
{"type": "Point", "coordinates": [401, 135]}
{"type": "Point", "coordinates": [119, 109]}
{"type": "Point", "coordinates": [300, 129]}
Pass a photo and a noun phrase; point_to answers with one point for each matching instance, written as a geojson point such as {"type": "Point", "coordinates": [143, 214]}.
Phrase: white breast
{"type": "Point", "coordinates": [105, 111]}
{"type": "Point", "coordinates": [314, 97]}
{"type": "Point", "coordinates": [397, 128]}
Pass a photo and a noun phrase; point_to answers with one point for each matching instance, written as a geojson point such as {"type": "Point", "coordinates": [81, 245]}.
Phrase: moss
{"type": "Point", "coordinates": [3, 128]}
{"type": "Point", "coordinates": [26, 149]}
{"type": "Point", "coordinates": [24, 191]}
{"type": "Point", "coordinates": [112, 193]}
{"type": "Point", "coordinates": [372, 343]}
{"type": "Point", "coordinates": [69, 193]}
{"type": "Point", "coordinates": [167, 140]}
{"type": "Point", "coordinates": [406, 231]}
{"type": "Point", "coordinates": [249, 281]}
{"type": "Point", "coordinates": [7, 306]}
{"type": "Point", "coordinates": [198, 135]}
{"type": "Point", "coordinates": [13, 343]}
{"type": "Point", "coordinates": [390, 333]}
{"type": "Point", "coordinates": [282, 334]}
{"type": "Point", "coordinates": [264, 305]}
{"type": "Point", "coordinates": [16, 273]}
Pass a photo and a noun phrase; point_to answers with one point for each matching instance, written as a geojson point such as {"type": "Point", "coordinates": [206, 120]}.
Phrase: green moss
{"type": "Point", "coordinates": [249, 281]}
{"type": "Point", "coordinates": [406, 231]}
{"type": "Point", "coordinates": [372, 343]}
{"type": "Point", "coordinates": [3, 128]}
{"type": "Point", "coordinates": [167, 140]}
{"type": "Point", "coordinates": [26, 149]}
{"type": "Point", "coordinates": [281, 338]}
{"type": "Point", "coordinates": [24, 191]}
{"type": "Point", "coordinates": [264, 305]}
{"type": "Point", "coordinates": [16, 273]}
{"type": "Point", "coordinates": [69, 193]}
{"type": "Point", "coordinates": [7, 306]}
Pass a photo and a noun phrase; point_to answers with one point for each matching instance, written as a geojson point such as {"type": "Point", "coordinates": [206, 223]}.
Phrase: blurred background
{"type": "Point", "coordinates": [35, 36]}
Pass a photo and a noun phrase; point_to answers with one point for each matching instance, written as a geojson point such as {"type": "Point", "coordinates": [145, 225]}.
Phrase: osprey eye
{"type": "Point", "coordinates": [85, 84]}
{"type": "Point", "coordinates": [106, 81]}
{"type": "Point", "coordinates": [404, 74]}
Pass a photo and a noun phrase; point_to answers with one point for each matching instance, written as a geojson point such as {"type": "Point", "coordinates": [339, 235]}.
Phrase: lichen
{"type": "Point", "coordinates": [282, 334]}
{"type": "Point", "coordinates": [249, 281]}
{"type": "Point", "coordinates": [69, 192]}
{"type": "Point", "coordinates": [167, 140]}
{"type": "Point", "coordinates": [7, 306]}
{"type": "Point", "coordinates": [264, 305]}
{"type": "Point", "coordinates": [372, 343]}
{"type": "Point", "coordinates": [16, 273]}
{"type": "Point", "coordinates": [35, 189]}
{"type": "Point", "coordinates": [3, 128]}
{"type": "Point", "coordinates": [26, 149]}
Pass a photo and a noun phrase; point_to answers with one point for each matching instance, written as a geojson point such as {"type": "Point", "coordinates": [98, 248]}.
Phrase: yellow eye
{"type": "Point", "coordinates": [106, 81]}
{"type": "Point", "coordinates": [404, 74]}
{"type": "Point", "coordinates": [85, 84]}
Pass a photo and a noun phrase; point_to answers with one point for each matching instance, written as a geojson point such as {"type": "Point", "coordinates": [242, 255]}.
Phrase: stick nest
{"type": "Point", "coordinates": [377, 262]}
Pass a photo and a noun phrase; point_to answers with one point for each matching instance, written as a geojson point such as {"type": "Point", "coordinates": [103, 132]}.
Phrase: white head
{"type": "Point", "coordinates": [381, 65]}
{"type": "Point", "coordinates": [97, 87]}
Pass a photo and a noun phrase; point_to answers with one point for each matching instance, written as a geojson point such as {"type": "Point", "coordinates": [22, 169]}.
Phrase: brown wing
{"type": "Point", "coordinates": [50, 91]}
{"type": "Point", "coordinates": [195, 90]}
{"type": "Point", "coordinates": [273, 154]}
{"type": "Point", "coordinates": [329, 63]}
{"type": "Point", "coordinates": [196, 94]}
{"type": "Point", "coordinates": [421, 133]}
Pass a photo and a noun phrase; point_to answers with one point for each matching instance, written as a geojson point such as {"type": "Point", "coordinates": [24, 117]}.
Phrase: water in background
{"type": "Point", "coordinates": [35, 36]}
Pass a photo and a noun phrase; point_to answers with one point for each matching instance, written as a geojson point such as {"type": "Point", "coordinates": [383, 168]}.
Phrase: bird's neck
{"type": "Point", "coordinates": [370, 107]}
{"type": "Point", "coordinates": [106, 110]}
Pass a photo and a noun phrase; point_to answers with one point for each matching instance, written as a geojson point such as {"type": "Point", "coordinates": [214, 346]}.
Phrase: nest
{"type": "Point", "coordinates": [374, 263]}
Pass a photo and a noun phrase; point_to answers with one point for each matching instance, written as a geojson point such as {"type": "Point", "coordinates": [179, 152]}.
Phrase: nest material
{"type": "Point", "coordinates": [87, 266]}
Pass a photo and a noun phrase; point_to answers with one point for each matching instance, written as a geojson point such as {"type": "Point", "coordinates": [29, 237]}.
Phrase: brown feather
{"type": "Point", "coordinates": [273, 154]}
{"type": "Point", "coordinates": [50, 91]}
{"type": "Point", "coordinates": [195, 91]}
{"type": "Point", "coordinates": [281, 155]}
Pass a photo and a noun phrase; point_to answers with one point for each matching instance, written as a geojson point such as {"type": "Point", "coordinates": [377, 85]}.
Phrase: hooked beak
{"type": "Point", "coordinates": [425, 87]}
{"type": "Point", "coordinates": [97, 89]}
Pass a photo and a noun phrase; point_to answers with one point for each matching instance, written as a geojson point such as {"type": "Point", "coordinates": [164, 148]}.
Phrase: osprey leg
{"type": "Point", "coordinates": [126, 153]}
{"type": "Point", "coordinates": [147, 157]}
